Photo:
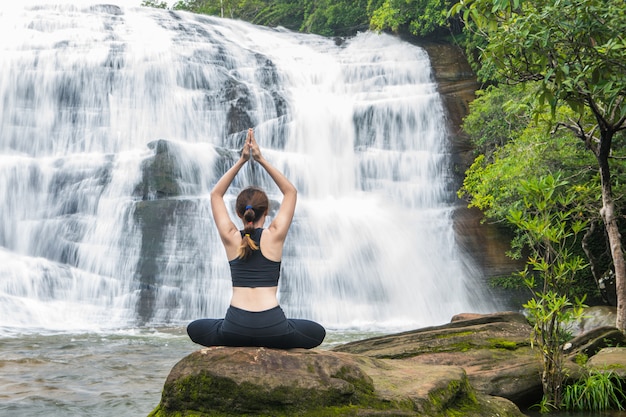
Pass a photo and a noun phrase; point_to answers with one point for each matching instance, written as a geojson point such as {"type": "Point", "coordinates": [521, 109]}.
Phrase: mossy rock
{"type": "Point", "coordinates": [611, 359]}
{"type": "Point", "coordinates": [270, 382]}
{"type": "Point", "coordinates": [493, 349]}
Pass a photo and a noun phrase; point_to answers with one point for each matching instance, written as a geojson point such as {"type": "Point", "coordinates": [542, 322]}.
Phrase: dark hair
{"type": "Point", "coordinates": [252, 203]}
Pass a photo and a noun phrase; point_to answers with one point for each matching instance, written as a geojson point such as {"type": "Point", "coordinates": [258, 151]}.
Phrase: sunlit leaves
{"type": "Point", "coordinates": [419, 17]}
{"type": "Point", "coordinates": [576, 47]}
{"type": "Point", "coordinates": [545, 220]}
{"type": "Point", "coordinates": [512, 148]}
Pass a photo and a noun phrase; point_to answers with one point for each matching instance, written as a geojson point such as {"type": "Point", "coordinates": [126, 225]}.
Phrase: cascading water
{"type": "Point", "coordinates": [115, 123]}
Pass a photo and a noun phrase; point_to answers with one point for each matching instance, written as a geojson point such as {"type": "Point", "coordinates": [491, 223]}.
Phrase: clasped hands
{"type": "Point", "coordinates": [251, 147]}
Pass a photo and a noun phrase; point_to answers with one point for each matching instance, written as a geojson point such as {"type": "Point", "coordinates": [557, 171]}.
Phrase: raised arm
{"type": "Point", "coordinates": [228, 231]}
{"type": "Point", "coordinates": [282, 221]}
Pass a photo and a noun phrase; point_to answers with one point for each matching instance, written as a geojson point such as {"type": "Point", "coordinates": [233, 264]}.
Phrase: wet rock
{"type": "Point", "coordinates": [594, 317]}
{"type": "Point", "coordinates": [493, 349]}
{"type": "Point", "coordinates": [258, 381]}
{"type": "Point", "coordinates": [610, 359]}
{"type": "Point", "coordinates": [477, 365]}
{"type": "Point", "coordinates": [457, 84]}
{"type": "Point", "coordinates": [593, 341]}
{"type": "Point", "coordinates": [485, 242]}
{"type": "Point", "coordinates": [160, 173]}
{"type": "Point", "coordinates": [156, 218]}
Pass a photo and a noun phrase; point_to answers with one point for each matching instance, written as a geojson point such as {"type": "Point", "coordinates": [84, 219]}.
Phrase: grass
{"type": "Point", "coordinates": [596, 391]}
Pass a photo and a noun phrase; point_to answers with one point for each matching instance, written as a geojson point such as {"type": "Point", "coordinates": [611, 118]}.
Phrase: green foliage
{"type": "Point", "coordinates": [420, 17]}
{"type": "Point", "coordinates": [595, 391]}
{"type": "Point", "coordinates": [324, 17]}
{"type": "Point", "coordinates": [498, 114]}
{"type": "Point", "coordinates": [287, 13]}
{"type": "Point", "coordinates": [581, 359]}
{"type": "Point", "coordinates": [514, 148]}
{"type": "Point", "coordinates": [574, 53]}
{"type": "Point", "coordinates": [332, 17]}
{"type": "Point", "coordinates": [548, 226]}
{"type": "Point", "coordinates": [335, 18]}
{"type": "Point", "coordinates": [157, 4]}
{"type": "Point", "coordinates": [574, 49]}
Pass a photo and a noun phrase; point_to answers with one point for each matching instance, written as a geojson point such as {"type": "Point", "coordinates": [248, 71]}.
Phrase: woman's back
{"type": "Point", "coordinates": [254, 317]}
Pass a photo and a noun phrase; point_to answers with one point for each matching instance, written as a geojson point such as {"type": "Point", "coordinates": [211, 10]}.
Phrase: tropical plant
{"type": "Point", "coordinates": [549, 229]}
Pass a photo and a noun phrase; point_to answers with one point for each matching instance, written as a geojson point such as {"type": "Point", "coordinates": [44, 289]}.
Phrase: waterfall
{"type": "Point", "coordinates": [115, 123]}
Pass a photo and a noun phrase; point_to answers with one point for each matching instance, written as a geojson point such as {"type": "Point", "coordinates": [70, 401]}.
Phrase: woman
{"type": "Point", "coordinates": [254, 317]}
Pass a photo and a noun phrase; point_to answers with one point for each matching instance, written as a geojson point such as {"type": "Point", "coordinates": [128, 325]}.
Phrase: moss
{"type": "Point", "coordinates": [457, 334]}
{"type": "Point", "coordinates": [362, 384]}
{"type": "Point", "coordinates": [388, 409]}
{"type": "Point", "coordinates": [344, 411]}
{"type": "Point", "coordinates": [461, 346]}
{"type": "Point", "coordinates": [456, 399]}
{"type": "Point", "coordinates": [581, 359]}
{"type": "Point", "coordinates": [204, 394]}
{"type": "Point", "coordinates": [502, 344]}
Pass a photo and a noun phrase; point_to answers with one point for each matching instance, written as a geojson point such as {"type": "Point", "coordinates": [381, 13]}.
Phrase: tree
{"type": "Point", "coordinates": [549, 229]}
{"type": "Point", "coordinates": [575, 52]}
{"type": "Point", "coordinates": [511, 146]}
{"type": "Point", "coordinates": [419, 17]}
{"type": "Point", "coordinates": [335, 17]}
{"type": "Point", "coordinates": [234, 9]}
{"type": "Point", "coordinates": [324, 17]}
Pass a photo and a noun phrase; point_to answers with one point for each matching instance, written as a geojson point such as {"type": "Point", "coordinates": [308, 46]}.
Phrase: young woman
{"type": "Point", "coordinates": [254, 317]}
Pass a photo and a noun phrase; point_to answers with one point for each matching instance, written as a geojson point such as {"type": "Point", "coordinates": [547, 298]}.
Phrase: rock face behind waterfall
{"type": "Point", "coordinates": [159, 190]}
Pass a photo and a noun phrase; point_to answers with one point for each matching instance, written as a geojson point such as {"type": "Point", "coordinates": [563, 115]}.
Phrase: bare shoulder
{"type": "Point", "coordinates": [231, 242]}
{"type": "Point", "coordinates": [271, 244]}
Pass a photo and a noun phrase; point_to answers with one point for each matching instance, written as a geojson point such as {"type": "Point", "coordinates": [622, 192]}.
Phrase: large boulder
{"type": "Point", "coordinates": [251, 381]}
{"type": "Point", "coordinates": [476, 365]}
{"type": "Point", "coordinates": [590, 343]}
{"type": "Point", "coordinates": [493, 349]}
{"type": "Point", "coordinates": [610, 359]}
{"type": "Point", "coordinates": [594, 317]}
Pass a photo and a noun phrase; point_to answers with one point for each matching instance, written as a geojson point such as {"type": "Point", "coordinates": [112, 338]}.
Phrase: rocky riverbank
{"type": "Point", "coordinates": [473, 366]}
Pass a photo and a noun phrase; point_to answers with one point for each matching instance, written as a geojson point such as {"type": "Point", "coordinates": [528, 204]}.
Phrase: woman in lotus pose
{"type": "Point", "coordinates": [254, 317]}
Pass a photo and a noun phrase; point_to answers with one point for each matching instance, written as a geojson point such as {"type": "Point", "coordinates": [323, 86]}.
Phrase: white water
{"type": "Point", "coordinates": [362, 134]}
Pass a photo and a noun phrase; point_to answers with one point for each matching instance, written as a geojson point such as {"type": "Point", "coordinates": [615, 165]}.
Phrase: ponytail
{"type": "Point", "coordinates": [252, 203]}
{"type": "Point", "coordinates": [247, 243]}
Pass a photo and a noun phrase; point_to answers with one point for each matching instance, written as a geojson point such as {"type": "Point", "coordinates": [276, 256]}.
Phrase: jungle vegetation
{"type": "Point", "coordinates": [330, 17]}
{"type": "Point", "coordinates": [559, 173]}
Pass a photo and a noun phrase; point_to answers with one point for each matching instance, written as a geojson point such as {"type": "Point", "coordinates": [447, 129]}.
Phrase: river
{"type": "Point", "coordinates": [97, 375]}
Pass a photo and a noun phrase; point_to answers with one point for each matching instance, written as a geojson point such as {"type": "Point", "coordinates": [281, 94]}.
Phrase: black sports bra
{"type": "Point", "coordinates": [256, 270]}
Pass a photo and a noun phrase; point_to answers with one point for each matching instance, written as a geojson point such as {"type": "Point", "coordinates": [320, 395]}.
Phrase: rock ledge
{"type": "Point", "coordinates": [266, 382]}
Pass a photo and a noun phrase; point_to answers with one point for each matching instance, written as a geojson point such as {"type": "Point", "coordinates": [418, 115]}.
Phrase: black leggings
{"type": "Point", "coordinates": [269, 328]}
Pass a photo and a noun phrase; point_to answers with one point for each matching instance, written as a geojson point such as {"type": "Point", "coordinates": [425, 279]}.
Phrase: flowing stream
{"type": "Point", "coordinates": [95, 258]}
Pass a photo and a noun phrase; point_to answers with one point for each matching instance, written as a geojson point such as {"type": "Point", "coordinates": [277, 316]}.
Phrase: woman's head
{"type": "Point", "coordinates": [252, 204]}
